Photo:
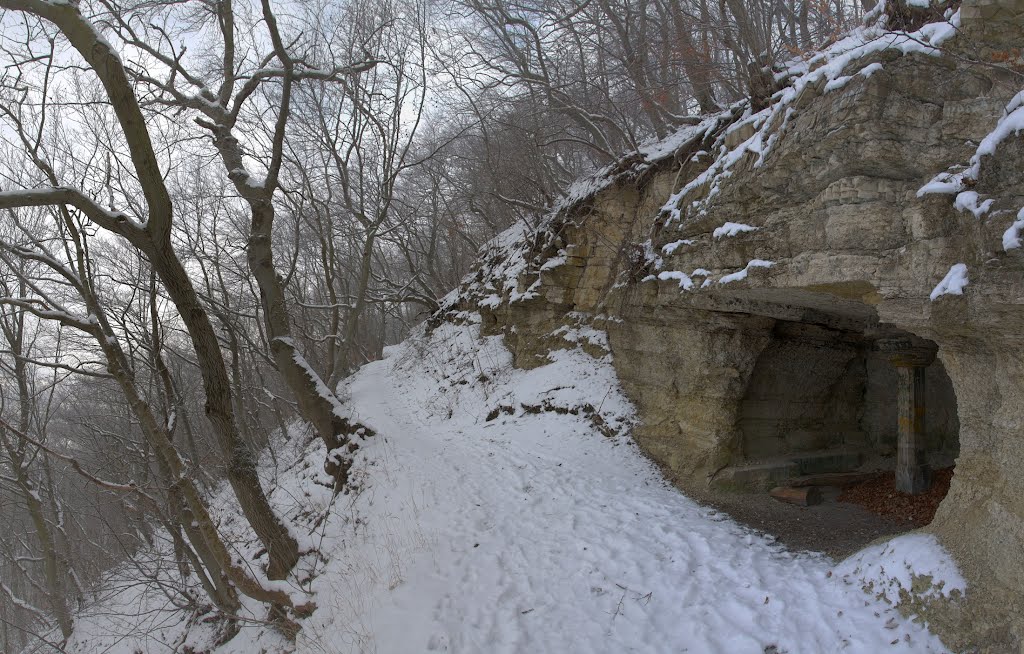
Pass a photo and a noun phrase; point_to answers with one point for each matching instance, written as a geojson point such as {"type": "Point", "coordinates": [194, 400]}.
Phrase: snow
{"type": "Point", "coordinates": [1011, 124]}
{"type": "Point", "coordinates": [657, 150]}
{"type": "Point", "coordinates": [968, 201]}
{"type": "Point", "coordinates": [648, 154]}
{"type": "Point", "coordinates": [890, 568]}
{"type": "Point", "coordinates": [944, 183]}
{"type": "Point", "coordinates": [684, 280]}
{"type": "Point", "coordinates": [669, 248]}
{"type": "Point", "coordinates": [318, 384]}
{"type": "Point", "coordinates": [502, 261]}
{"type": "Point", "coordinates": [553, 262]}
{"type": "Point", "coordinates": [953, 283]}
{"type": "Point", "coordinates": [732, 229]}
{"type": "Point", "coordinates": [582, 333]}
{"type": "Point", "coordinates": [534, 532]}
{"type": "Point", "coordinates": [871, 69]}
{"type": "Point", "coordinates": [505, 510]}
{"type": "Point", "coordinates": [1012, 235]}
{"type": "Point", "coordinates": [956, 179]}
{"type": "Point", "coordinates": [742, 274]}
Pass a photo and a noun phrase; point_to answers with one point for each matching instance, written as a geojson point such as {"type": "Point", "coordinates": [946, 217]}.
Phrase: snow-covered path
{"type": "Point", "coordinates": [533, 532]}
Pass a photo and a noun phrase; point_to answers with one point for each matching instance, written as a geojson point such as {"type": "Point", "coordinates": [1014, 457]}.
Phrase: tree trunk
{"type": "Point", "coordinates": [155, 241]}
{"type": "Point", "coordinates": [696, 63]}
{"type": "Point", "coordinates": [55, 590]}
{"type": "Point", "coordinates": [283, 550]}
{"type": "Point", "coordinates": [195, 517]}
{"type": "Point", "coordinates": [355, 315]}
{"type": "Point", "coordinates": [317, 402]}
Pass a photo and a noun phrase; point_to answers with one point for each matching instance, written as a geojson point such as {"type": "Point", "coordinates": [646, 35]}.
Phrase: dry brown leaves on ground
{"type": "Point", "coordinates": [880, 496]}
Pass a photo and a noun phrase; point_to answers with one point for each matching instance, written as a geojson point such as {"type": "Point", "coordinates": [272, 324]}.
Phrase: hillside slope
{"type": "Point", "coordinates": [503, 510]}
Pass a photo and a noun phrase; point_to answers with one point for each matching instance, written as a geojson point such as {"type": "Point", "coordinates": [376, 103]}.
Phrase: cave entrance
{"type": "Point", "coordinates": [827, 409]}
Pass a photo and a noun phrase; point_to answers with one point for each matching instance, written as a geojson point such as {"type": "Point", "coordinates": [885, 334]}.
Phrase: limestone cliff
{"type": "Point", "coordinates": [749, 271]}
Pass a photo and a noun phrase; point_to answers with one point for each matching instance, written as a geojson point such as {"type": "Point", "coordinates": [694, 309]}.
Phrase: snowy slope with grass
{"type": "Point", "coordinates": [503, 510]}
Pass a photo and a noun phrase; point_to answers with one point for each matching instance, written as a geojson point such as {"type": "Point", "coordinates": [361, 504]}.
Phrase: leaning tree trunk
{"type": "Point", "coordinates": [317, 403]}
{"type": "Point", "coordinates": [282, 549]}
{"type": "Point", "coordinates": [200, 527]}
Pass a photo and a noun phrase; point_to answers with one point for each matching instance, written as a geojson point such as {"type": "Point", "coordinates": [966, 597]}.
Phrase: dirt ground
{"type": "Point", "coordinates": [843, 523]}
{"type": "Point", "coordinates": [836, 528]}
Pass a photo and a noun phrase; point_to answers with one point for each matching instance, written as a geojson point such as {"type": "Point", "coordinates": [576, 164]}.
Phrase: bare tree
{"type": "Point", "coordinates": [69, 295]}
{"type": "Point", "coordinates": [259, 64]}
{"type": "Point", "coordinates": [150, 232]}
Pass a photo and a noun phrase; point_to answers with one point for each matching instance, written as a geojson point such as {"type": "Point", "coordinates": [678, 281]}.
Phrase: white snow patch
{"type": "Point", "coordinates": [837, 83]}
{"type": "Point", "coordinates": [553, 262]}
{"type": "Point", "coordinates": [828, 70]}
{"type": "Point", "coordinates": [732, 229]}
{"type": "Point", "coordinates": [953, 283]}
{"type": "Point", "coordinates": [584, 334]}
{"type": "Point", "coordinates": [871, 69]}
{"type": "Point", "coordinates": [1012, 235]}
{"type": "Point", "coordinates": [742, 274]}
{"type": "Point", "coordinates": [669, 248]}
{"type": "Point", "coordinates": [968, 201]}
{"type": "Point", "coordinates": [956, 179]}
{"type": "Point", "coordinates": [684, 280]}
{"type": "Point", "coordinates": [886, 569]}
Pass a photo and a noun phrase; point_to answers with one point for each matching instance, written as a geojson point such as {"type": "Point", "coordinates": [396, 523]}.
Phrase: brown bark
{"type": "Point", "coordinates": [316, 401]}
{"type": "Point", "coordinates": [802, 496]}
{"type": "Point", "coordinates": [283, 551]}
{"type": "Point", "coordinates": [192, 512]}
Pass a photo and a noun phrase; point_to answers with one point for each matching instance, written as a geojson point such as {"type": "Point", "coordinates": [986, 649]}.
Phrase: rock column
{"type": "Point", "coordinates": [911, 357]}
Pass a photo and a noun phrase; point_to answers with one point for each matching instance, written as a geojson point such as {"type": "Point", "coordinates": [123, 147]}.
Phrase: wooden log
{"type": "Point", "coordinates": [802, 496]}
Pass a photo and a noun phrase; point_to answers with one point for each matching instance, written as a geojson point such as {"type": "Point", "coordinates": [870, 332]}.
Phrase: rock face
{"type": "Point", "coordinates": [744, 316]}
{"type": "Point", "coordinates": [994, 23]}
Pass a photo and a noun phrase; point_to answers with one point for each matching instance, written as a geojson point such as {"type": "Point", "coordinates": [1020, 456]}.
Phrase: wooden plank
{"type": "Point", "coordinates": [802, 496]}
